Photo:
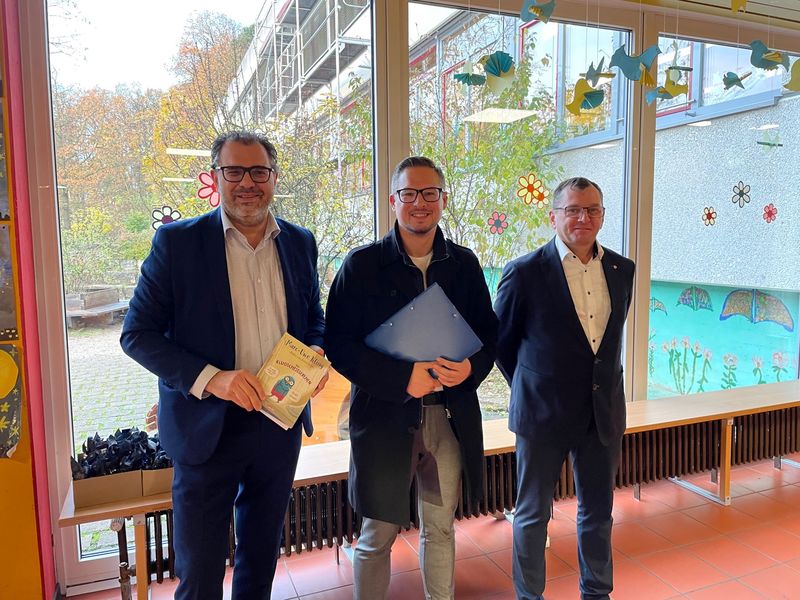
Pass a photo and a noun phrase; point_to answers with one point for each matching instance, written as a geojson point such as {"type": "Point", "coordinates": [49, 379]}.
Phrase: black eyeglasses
{"type": "Point", "coordinates": [409, 195]}
{"type": "Point", "coordinates": [235, 174]}
{"type": "Point", "coordinates": [594, 212]}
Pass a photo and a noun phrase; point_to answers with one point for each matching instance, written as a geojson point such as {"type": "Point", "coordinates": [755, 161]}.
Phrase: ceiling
{"type": "Point", "coordinates": [784, 10]}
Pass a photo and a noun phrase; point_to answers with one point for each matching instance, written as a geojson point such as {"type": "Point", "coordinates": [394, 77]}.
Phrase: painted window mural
{"type": "Point", "coordinates": [725, 287]}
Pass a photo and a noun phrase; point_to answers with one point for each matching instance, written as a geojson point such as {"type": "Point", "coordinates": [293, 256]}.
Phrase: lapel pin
{"type": "Point", "coordinates": [614, 266]}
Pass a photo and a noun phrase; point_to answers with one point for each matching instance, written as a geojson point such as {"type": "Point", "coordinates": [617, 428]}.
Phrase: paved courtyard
{"type": "Point", "coordinates": [109, 390]}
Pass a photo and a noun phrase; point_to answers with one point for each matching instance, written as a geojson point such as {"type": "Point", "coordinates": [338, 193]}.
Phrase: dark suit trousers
{"type": "Point", "coordinates": [252, 469]}
{"type": "Point", "coordinates": [538, 469]}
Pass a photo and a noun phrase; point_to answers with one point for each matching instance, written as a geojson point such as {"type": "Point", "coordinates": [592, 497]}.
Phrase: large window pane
{"type": "Point", "coordinates": [487, 140]}
{"type": "Point", "coordinates": [725, 295]}
{"type": "Point", "coordinates": [132, 136]}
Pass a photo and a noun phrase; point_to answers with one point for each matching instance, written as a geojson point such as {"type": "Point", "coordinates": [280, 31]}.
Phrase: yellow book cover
{"type": "Point", "coordinates": [289, 376]}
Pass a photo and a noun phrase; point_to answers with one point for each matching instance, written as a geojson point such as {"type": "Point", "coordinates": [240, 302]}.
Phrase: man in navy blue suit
{"type": "Point", "coordinates": [562, 310]}
{"type": "Point", "coordinates": [215, 295]}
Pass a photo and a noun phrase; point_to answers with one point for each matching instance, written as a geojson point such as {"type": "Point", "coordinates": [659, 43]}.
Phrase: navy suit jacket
{"type": "Point", "coordinates": [181, 318]}
{"type": "Point", "coordinates": [557, 382]}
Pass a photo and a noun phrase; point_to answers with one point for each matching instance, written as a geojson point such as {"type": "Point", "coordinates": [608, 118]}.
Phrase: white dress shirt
{"type": "Point", "coordinates": [589, 291]}
{"type": "Point", "coordinates": [258, 299]}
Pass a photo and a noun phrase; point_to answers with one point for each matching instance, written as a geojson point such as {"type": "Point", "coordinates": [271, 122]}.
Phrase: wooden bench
{"type": "Point", "coordinates": [718, 406]}
{"type": "Point", "coordinates": [104, 310]}
{"type": "Point", "coordinates": [329, 463]}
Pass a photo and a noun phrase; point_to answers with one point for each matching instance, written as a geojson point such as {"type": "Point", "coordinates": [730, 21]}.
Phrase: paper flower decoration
{"type": "Point", "coordinates": [764, 58]}
{"type": "Point", "coordinates": [209, 189]}
{"type": "Point", "coordinates": [770, 213]}
{"type": "Point", "coordinates": [531, 190]}
{"type": "Point", "coordinates": [164, 215]}
{"type": "Point", "coordinates": [731, 79]}
{"type": "Point", "coordinates": [635, 67]}
{"type": "Point", "coordinates": [537, 9]}
{"type": "Point", "coordinates": [741, 194]}
{"type": "Point", "coordinates": [500, 71]}
{"type": "Point", "coordinates": [468, 76]}
{"type": "Point", "coordinates": [585, 97]}
{"type": "Point", "coordinates": [709, 216]}
{"type": "Point", "coordinates": [497, 222]}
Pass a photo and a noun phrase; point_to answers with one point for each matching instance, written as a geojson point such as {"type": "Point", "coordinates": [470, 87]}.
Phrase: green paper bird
{"type": "Point", "coordinates": [764, 58]}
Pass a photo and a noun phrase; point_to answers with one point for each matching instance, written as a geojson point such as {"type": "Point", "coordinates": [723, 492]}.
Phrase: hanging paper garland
{"type": "Point", "coordinates": [209, 189]}
{"type": "Point", "coordinates": [764, 58]}
{"type": "Point", "coordinates": [532, 190]}
{"type": "Point", "coordinates": [770, 213]}
{"type": "Point", "coordinates": [537, 9]}
{"type": "Point", "coordinates": [731, 79]}
{"type": "Point", "coordinates": [164, 215]}
{"type": "Point", "coordinates": [497, 222]}
{"type": "Point", "coordinates": [741, 194]}
{"type": "Point", "coordinates": [636, 67]}
{"type": "Point", "coordinates": [709, 216]}
{"type": "Point", "coordinates": [794, 80]}
{"type": "Point", "coordinates": [500, 71]}
{"type": "Point", "coordinates": [585, 97]}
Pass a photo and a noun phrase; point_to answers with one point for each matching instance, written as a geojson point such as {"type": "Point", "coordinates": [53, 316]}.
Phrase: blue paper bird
{"type": "Point", "coordinates": [537, 9]}
{"type": "Point", "coordinates": [764, 58]}
{"type": "Point", "coordinates": [593, 74]}
{"type": "Point", "coordinates": [632, 66]}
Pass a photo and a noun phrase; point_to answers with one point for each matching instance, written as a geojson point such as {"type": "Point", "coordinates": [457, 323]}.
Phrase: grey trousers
{"type": "Point", "coordinates": [436, 462]}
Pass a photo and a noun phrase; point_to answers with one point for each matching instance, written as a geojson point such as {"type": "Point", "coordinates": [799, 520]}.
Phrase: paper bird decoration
{"type": "Point", "coordinates": [468, 76]}
{"type": "Point", "coordinates": [771, 139]}
{"type": "Point", "coordinates": [737, 5]}
{"type": "Point", "coordinates": [636, 68]}
{"type": "Point", "coordinates": [731, 79]}
{"type": "Point", "coordinates": [500, 71]}
{"type": "Point", "coordinates": [537, 9]}
{"type": "Point", "coordinates": [764, 58]}
{"type": "Point", "coordinates": [585, 97]}
{"type": "Point", "coordinates": [669, 90]}
{"type": "Point", "coordinates": [794, 81]}
{"type": "Point", "coordinates": [593, 74]}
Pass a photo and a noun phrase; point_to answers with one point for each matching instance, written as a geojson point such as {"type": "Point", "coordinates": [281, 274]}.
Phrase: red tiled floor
{"type": "Point", "coordinates": [680, 529]}
{"type": "Point", "coordinates": [479, 577]}
{"type": "Point", "coordinates": [682, 570]}
{"type": "Point", "coordinates": [771, 540]}
{"type": "Point", "coordinates": [319, 572]}
{"type": "Point", "coordinates": [679, 544]}
{"type": "Point", "coordinates": [405, 586]}
{"type": "Point", "coordinates": [730, 556]}
{"type": "Point", "coordinates": [724, 519]}
{"type": "Point", "coordinates": [633, 539]}
{"type": "Point", "coordinates": [631, 580]}
{"type": "Point", "coordinates": [779, 581]}
{"type": "Point", "coordinates": [728, 590]}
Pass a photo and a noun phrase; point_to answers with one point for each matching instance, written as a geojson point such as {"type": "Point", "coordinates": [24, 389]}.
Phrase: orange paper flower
{"type": "Point", "coordinates": [531, 190]}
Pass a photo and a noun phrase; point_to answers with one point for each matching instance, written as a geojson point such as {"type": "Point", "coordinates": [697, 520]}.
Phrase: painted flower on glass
{"type": "Point", "coordinates": [164, 215]}
{"type": "Point", "coordinates": [497, 222]}
{"type": "Point", "coordinates": [741, 194]}
{"type": "Point", "coordinates": [770, 213]}
{"type": "Point", "coordinates": [709, 215]}
{"type": "Point", "coordinates": [209, 190]}
{"type": "Point", "coordinates": [531, 190]}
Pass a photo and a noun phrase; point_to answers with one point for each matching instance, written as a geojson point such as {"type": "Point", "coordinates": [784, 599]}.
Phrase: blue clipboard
{"type": "Point", "coordinates": [426, 328]}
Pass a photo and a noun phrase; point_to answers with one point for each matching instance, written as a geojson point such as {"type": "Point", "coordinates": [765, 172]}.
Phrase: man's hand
{"type": "Point", "coordinates": [421, 382]}
{"type": "Point", "coordinates": [240, 387]}
{"type": "Point", "coordinates": [452, 373]}
{"type": "Point", "coordinates": [325, 377]}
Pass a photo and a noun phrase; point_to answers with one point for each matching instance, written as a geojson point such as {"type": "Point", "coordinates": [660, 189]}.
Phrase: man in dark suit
{"type": "Point", "coordinates": [215, 295]}
{"type": "Point", "coordinates": [562, 310]}
{"type": "Point", "coordinates": [410, 419]}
